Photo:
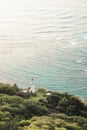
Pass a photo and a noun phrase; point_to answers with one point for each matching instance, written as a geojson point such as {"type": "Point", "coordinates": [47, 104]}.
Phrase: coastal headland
{"type": "Point", "coordinates": [41, 110]}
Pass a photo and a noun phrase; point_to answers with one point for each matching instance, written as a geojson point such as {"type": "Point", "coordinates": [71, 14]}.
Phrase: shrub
{"type": "Point", "coordinates": [8, 89]}
{"type": "Point", "coordinates": [24, 123]}
{"type": "Point", "coordinates": [41, 90]}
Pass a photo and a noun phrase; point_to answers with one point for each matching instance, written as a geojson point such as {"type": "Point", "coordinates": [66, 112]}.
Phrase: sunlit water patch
{"type": "Point", "coordinates": [47, 41]}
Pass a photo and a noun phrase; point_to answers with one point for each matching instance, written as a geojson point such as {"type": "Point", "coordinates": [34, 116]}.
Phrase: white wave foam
{"type": "Point", "coordinates": [85, 70]}
{"type": "Point", "coordinates": [85, 37]}
{"type": "Point", "coordinates": [74, 43]}
{"type": "Point", "coordinates": [78, 61]}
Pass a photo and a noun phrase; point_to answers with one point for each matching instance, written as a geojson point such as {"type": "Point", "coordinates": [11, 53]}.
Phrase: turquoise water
{"type": "Point", "coordinates": [46, 40]}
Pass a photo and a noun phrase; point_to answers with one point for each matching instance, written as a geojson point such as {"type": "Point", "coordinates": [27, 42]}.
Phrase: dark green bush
{"type": "Point", "coordinates": [8, 89]}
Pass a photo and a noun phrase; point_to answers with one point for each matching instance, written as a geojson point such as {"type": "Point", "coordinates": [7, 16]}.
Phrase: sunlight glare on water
{"type": "Point", "coordinates": [46, 40]}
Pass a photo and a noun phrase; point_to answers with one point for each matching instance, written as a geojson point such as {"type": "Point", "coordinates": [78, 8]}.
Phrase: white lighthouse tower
{"type": "Point", "coordinates": [32, 86]}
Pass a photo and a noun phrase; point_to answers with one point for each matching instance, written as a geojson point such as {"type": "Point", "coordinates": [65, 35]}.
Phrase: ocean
{"type": "Point", "coordinates": [46, 40]}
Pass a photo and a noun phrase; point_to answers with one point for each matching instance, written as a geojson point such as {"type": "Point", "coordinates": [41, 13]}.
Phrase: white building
{"type": "Point", "coordinates": [32, 86]}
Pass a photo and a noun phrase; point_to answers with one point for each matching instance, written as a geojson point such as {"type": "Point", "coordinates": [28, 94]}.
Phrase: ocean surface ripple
{"type": "Point", "coordinates": [47, 41]}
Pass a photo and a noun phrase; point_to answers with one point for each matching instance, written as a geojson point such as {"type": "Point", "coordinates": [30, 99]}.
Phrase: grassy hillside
{"type": "Point", "coordinates": [57, 111]}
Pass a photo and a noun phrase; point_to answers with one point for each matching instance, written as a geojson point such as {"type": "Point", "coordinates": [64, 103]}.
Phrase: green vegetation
{"type": "Point", "coordinates": [57, 111]}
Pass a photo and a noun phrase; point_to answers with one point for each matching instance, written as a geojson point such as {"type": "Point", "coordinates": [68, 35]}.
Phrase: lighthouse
{"type": "Point", "coordinates": [32, 86]}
